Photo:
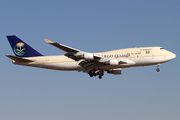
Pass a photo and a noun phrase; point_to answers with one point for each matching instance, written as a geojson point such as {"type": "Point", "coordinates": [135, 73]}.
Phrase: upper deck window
{"type": "Point", "coordinates": [161, 48]}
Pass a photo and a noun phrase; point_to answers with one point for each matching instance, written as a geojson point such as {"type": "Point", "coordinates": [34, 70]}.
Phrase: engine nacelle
{"type": "Point", "coordinates": [115, 71]}
{"type": "Point", "coordinates": [88, 56]}
{"type": "Point", "coordinates": [113, 62]}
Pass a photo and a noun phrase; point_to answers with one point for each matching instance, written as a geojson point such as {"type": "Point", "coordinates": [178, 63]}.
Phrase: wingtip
{"type": "Point", "coordinates": [48, 41]}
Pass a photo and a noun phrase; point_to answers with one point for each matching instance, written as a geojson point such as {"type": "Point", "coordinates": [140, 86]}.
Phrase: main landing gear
{"type": "Point", "coordinates": [158, 68]}
{"type": "Point", "coordinates": [94, 73]}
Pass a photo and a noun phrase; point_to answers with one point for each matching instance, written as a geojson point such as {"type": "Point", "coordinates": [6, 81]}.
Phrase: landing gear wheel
{"type": "Point", "coordinates": [93, 73]}
{"type": "Point", "coordinates": [157, 69]}
{"type": "Point", "coordinates": [90, 75]}
{"type": "Point", "coordinates": [102, 74]}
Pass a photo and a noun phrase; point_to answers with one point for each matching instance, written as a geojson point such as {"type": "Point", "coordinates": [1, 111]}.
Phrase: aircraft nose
{"type": "Point", "coordinates": [172, 55]}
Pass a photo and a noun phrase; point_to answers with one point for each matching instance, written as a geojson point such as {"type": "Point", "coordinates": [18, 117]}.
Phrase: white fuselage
{"type": "Point", "coordinates": [142, 56]}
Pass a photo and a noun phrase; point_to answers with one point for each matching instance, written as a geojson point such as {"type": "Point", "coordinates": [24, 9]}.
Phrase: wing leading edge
{"type": "Point", "coordinates": [62, 47]}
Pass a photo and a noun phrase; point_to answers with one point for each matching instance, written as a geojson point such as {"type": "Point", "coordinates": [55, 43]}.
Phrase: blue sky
{"type": "Point", "coordinates": [94, 26]}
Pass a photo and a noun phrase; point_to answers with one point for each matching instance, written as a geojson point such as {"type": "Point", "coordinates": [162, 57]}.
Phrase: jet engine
{"type": "Point", "coordinates": [113, 62]}
{"type": "Point", "coordinates": [115, 71]}
{"type": "Point", "coordinates": [88, 56]}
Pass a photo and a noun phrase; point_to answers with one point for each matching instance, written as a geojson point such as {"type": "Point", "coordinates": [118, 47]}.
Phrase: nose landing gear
{"type": "Point", "coordinates": [158, 68]}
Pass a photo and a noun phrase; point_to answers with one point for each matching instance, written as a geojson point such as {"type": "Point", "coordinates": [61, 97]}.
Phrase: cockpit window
{"type": "Point", "coordinates": [161, 48]}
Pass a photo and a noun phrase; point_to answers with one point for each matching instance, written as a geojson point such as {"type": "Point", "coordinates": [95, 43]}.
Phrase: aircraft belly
{"type": "Point", "coordinates": [68, 66]}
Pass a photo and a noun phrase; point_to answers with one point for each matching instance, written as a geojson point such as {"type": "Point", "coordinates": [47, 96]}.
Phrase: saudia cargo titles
{"type": "Point", "coordinates": [95, 64]}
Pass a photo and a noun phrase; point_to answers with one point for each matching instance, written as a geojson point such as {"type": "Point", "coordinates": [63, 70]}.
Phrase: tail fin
{"type": "Point", "coordinates": [22, 49]}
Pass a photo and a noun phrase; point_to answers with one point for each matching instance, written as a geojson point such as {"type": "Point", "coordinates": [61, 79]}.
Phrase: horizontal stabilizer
{"type": "Point", "coordinates": [18, 59]}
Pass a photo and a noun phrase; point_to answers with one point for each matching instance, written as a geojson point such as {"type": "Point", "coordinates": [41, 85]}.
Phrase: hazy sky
{"type": "Point", "coordinates": [140, 93]}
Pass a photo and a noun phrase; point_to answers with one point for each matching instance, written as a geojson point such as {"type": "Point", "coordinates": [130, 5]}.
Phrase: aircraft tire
{"type": "Point", "coordinates": [157, 69]}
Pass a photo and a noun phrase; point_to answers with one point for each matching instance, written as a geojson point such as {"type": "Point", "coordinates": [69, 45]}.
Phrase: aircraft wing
{"type": "Point", "coordinates": [90, 60]}
{"type": "Point", "coordinates": [62, 47]}
{"type": "Point", "coordinates": [73, 53]}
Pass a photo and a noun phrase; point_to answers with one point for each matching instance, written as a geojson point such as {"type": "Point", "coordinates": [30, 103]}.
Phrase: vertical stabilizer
{"type": "Point", "coordinates": [20, 48]}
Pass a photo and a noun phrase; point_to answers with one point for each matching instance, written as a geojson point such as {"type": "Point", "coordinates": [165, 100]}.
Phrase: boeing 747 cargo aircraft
{"type": "Point", "coordinates": [95, 64]}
